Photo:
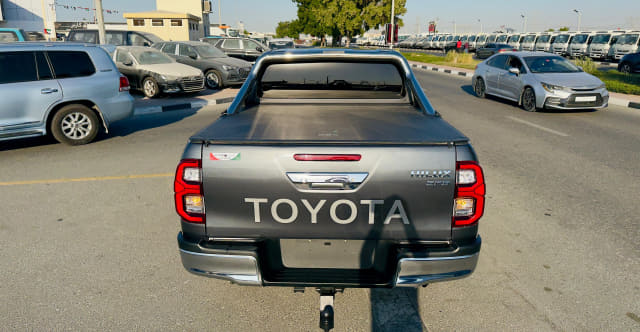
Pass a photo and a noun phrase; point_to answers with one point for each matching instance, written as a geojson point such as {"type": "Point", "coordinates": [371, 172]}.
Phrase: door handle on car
{"type": "Point", "coordinates": [48, 91]}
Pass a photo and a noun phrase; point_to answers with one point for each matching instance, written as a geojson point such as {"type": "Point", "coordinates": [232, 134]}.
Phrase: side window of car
{"type": "Point", "coordinates": [137, 40]}
{"type": "Point", "coordinates": [490, 46]}
{"type": "Point", "coordinates": [17, 67]}
{"type": "Point", "coordinates": [250, 45]}
{"type": "Point", "coordinates": [169, 49]}
{"type": "Point", "coordinates": [232, 43]}
{"type": "Point", "coordinates": [67, 64]}
{"type": "Point", "coordinates": [185, 49]}
{"type": "Point", "coordinates": [122, 56]}
{"type": "Point", "coordinates": [8, 36]}
{"type": "Point", "coordinates": [498, 61]}
{"type": "Point", "coordinates": [44, 71]}
{"type": "Point", "coordinates": [514, 62]}
{"type": "Point", "coordinates": [115, 38]}
{"type": "Point", "coordinates": [84, 36]}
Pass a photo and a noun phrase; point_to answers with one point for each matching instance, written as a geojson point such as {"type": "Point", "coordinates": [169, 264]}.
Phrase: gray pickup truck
{"type": "Point", "coordinates": [330, 170]}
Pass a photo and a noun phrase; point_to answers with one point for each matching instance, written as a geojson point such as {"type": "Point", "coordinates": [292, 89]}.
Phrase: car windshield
{"type": "Point", "coordinates": [529, 39]}
{"type": "Point", "coordinates": [628, 39]}
{"type": "Point", "coordinates": [550, 64]}
{"type": "Point", "coordinates": [514, 38]}
{"type": "Point", "coordinates": [562, 39]}
{"type": "Point", "coordinates": [579, 39]}
{"type": "Point", "coordinates": [501, 39]}
{"type": "Point", "coordinates": [544, 39]}
{"type": "Point", "coordinates": [209, 51]}
{"type": "Point", "coordinates": [150, 57]}
{"type": "Point", "coordinates": [601, 39]}
{"type": "Point", "coordinates": [481, 39]}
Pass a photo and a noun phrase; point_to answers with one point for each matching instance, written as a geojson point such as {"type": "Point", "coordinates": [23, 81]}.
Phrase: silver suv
{"type": "Point", "coordinates": [69, 90]}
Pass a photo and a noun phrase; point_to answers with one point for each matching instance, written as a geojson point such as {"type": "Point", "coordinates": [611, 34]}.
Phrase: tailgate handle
{"type": "Point", "coordinates": [328, 180]}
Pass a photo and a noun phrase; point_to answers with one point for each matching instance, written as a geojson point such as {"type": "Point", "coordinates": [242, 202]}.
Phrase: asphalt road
{"type": "Point", "coordinates": [88, 233]}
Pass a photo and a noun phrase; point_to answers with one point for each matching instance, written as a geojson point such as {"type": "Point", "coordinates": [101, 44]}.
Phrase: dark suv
{"type": "Point", "coordinates": [114, 37]}
{"type": "Point", "coordinates": [242, 48]}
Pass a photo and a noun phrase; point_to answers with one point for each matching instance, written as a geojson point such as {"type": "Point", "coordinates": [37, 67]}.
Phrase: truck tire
{"type": "Point", "coordinates": [529, 100]}
{"type": "Point", "coordinates": [75, 124]}
{"type": "Point", "coordinates": [625, 68]}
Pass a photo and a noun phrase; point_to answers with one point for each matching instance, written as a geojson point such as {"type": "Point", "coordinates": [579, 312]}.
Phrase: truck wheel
{"type": "Point", "coordinates": [213, 79]}
{"type": "Point", "coordinates": [479, 88]}
{"type": "Point", "coordinates": [75, 125]}
{"type": "Point", "coordinates": [150, 87]}
{"type": "Point", "coordinates": [529, 100]}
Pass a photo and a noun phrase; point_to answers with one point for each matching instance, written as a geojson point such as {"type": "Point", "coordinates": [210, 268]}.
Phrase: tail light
{"type": "Point", "coordinates": [468, 204]}
{"type": "Point", "coordinates": [124, 84]}
{"type": "Point", "coordinates": [187, 187]}
{"type": "Point", "coordinates": [502, 50]}
{"type": "Point", "coordinates": [515, 50]}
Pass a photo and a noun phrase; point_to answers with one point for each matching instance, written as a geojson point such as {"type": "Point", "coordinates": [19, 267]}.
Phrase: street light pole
{"type": "Point", "coordinates": [393, 5]}
{"type": "Point", "coordinates": [219, 14]}
{"type": "Point", "coordinates": [480, 25]}
{"type": "Point", "coordinates": [524, 23]}
{"type": "Point", "coordinates": [579, 17]}
{"type": "Point", "coordinates": [100, 17]}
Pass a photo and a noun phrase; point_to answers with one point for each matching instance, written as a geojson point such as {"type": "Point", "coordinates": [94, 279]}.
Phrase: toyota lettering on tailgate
{"type": "Point", "coordinates": [396, 211]}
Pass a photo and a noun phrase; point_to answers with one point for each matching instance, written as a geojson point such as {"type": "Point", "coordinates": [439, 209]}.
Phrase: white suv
{"type": "Point", "coordinates": [69, 90]}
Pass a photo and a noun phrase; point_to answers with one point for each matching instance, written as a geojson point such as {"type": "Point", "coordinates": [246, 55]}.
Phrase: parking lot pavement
{"type": "Point", "coordinates": [207, 97]}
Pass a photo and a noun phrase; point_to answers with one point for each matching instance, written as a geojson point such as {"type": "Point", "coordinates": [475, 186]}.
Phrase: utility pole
{"type": "Point", "coordinates": [418, 24]}
{"type": "Point", "coordinates": [455, 30]}
{"type": "Point", "coordinates": [393, 5]}
{"type": "Point", "coordinates": [579, 18]}
{"type": "Point", "coordinates": [100, 17]}
{"type": "Point", "coordinates": [219, 14]}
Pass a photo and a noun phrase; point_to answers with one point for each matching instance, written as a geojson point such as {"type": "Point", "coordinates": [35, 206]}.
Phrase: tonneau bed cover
{"type": "Point", "coordinates": [332, 123]}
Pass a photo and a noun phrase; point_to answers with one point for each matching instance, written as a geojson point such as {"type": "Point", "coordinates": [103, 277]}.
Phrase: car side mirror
{"type": "Point", "coordinates": [146, 44]}
{"type": "Point", "coordinates": [127, 63]}
{"type": "Point", "coordinates": [514, 71]}
{"type": "Point", "coordinates": [193, 56]}
{"type": "Point", "coordinates": [259, 49]}
{"type": "Point", "coordinates": [580, 67]}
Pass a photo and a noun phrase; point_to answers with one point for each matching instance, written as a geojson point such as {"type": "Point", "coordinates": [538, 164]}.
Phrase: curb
{"type": "Point", "coordinates": [442, 70]}
{"type": "Point", "coordinates": [612, 101]}
{"type": "Point", "coordinates": [180, 106]}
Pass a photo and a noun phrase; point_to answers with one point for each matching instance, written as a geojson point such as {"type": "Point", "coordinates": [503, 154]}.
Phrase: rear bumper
{"type": "Point", "coordinates": [414, 266]}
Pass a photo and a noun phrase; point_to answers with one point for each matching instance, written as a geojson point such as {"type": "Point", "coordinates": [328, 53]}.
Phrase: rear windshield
{"type": "Point", "coordinates": [332, 80]}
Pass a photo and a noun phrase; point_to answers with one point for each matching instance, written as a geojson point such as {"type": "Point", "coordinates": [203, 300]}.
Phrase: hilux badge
{"type": "Point", "coordinates": [222, 156]}
{"type": "Point", "coordinates": [433, 174]}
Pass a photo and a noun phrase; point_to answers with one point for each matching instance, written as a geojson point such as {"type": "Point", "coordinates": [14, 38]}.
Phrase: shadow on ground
{"type": "Point", "coordinates": [395, 309]}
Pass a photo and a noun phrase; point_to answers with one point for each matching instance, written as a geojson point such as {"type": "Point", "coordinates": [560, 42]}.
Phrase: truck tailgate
{"type": "Point", "coordinates": [393, 192]}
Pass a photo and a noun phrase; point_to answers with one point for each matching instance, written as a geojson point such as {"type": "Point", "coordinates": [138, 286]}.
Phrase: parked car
{"type": "Point", "coordinates": [35, 36]}
{"type": "Point", "coordinates": [278, 43]}
{"type": "Point", "coordinates": [8, 35]}
{"type": "Point", "coordinates": [71, 91]}
{"type": "Point", "coordinates": [539, 80]}
{"type": "Point", "coordinates": [492, 48]}
{"type": "Point", "coordinates": [153, 72]}
{"type": "Point", "coordinates": [219, 70]}
{"type": "Point", "coordinates": [114, 37]}
{"type": "Point", "coordinates": [242, 48]}
{"type": "Point", "coordinates": [630, 63]}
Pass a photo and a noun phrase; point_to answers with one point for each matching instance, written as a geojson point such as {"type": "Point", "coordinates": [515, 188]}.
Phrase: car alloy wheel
{"type": "Point", "coordinates": [76, 126]}
{"type": "Point", "coordinates": [150, 87]}
{"type": "Point", "coordinates": [212, 78]}
{"type": "Point", "coordinates": [626, 68]}
{"type": "Point", "coordinates": [479, 88]}
{"type": "Point", "coordinates": [529, 100]}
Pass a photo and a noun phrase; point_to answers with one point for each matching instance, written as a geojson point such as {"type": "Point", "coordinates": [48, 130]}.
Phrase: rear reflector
{"type": "Point", "coordinates": [187, 187]}
{"type": "Point", "coordinates": [327, 157]}
{"type": "Point", "coordinates": [468, 205]}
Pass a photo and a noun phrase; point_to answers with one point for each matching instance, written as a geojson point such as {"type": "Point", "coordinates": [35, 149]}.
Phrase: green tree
{"type": "Point", "coordinates": [347, 18]}
{"type": "Point", "coordinates": [564, 29]}
{"type": "Point", "coordinates": [288, 29]}
{"type": "Point", "coordinates": [550, 30]}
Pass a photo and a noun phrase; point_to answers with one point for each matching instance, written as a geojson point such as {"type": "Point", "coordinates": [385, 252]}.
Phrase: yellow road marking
{"type": "Point", "coordinates": [97, 178]}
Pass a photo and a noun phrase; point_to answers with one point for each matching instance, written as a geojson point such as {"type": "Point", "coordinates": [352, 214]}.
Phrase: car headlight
{"type": "Point", "coordinates": [601, 86]}
{"type": "Point", "coordinates": [553, 88]}
{"type": "Point", "coordinates": [227, 68]}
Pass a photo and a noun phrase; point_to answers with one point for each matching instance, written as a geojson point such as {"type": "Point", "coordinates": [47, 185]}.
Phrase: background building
{"type": "Point", "coordinates": [166, 25]}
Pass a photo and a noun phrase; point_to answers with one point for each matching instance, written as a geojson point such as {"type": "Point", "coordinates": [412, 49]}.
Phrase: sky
{"type": "Point", "coordinates": [469, 15]}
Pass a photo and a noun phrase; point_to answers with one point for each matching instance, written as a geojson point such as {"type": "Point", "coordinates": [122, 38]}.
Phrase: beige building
{"type": "Point", "coordinates": [198, 8]}
{"type": "Point", "coordinates": [166, 25]}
